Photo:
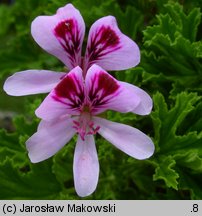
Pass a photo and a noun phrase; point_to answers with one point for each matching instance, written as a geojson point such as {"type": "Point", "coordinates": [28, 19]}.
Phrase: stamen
{"type": "Point", "coordinates": [76, 123]}
{"type": "Point", "coordinates": [84, 126]}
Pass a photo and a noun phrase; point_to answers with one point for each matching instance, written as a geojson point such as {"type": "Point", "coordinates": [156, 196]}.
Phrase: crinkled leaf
{"type": "Point", "coordinates": [175, 20]}
{"type": "Point", "coordinates": [165, 172]}
{"type": "Point", "coordinates": [187, 24]}
{"type": "Point", "coordinates": [20, 183]}
{"type": "Point", "coordinates": [191, 159]}
{"type": "Point", "coordinates": [166, 122]}
{"type": "Point", "coordinates": [181, 150]}
{"type": "Point", "coordinates": [171, 47]}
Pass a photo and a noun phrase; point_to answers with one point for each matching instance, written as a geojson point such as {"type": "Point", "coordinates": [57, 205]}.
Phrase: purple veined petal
{"type": "Point", "coordinates": [109, 48]}
{"type": "Point", "coordinates": [32, 82]}
{"type": "Point", "coordinates": [65, 99]}
{"type": "Point", "coordinates": [106, 93]}
{"type": "Point", "coordinates": [61, 34]}
{"type": "Point", "coordinates": [146, 103]}
{"type": "Point", "coordinates": [126, 138]}
{"type": "Point", "coordinates": [86, 166]}
{"type": "Point", "coordinates": [49, 139]}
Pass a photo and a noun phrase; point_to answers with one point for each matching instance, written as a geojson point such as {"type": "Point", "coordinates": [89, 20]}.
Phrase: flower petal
{"type": "Point", "coordinates": [126, 138]}
{"type": "Point", "coordinates": [86, 166]}
{"type": "Point", "coordinates": [105, 92]}
{"type": "Point", "coordinates": [65, 99]}
{"type": "Point", "coordinates": [32, 82]}
{"type": "Point", "coordinates": [145, 105]}
{"type": "Point", "coordinates": [61, 34]}
{"type": "Point", "coordinates": [49, 139]}
{"type": "Point", "coordinates": [109, 48]}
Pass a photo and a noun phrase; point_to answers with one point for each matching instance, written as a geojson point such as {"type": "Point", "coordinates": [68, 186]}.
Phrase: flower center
{"type": "Point", "coordinates": [85, 126]}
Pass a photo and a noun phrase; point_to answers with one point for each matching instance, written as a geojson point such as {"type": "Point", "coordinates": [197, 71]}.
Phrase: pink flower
{"type": "Point", "coordinates": [62, 36]}
{"type": "Point", "coordinates": [73, 107]}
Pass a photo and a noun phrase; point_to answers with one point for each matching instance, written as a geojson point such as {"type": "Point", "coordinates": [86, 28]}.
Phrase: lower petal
{"type": "Point", "coordinates": [126, 138]}
{"type": "Point", "coordinates": [86, 166]}
{"type": "Point", "coordinates": [49, 139]}
{"type": "Point", "coordinates": [32, 82]}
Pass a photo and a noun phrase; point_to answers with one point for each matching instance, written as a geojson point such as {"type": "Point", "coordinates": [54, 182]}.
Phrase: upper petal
{"type": "Point", "coordinates": [105, 92]}
{"type": "Point", "coordinates": [86, 166]}
{"type": "Point", "coordinates": [109, 48]}
{"type": "Point", "coordinates": [31, 82]}
{"type": "Point", "coordinates": [65, 99]}
{"type": "Point", "coordinates": [49, 139]}
{"type": "Point", "coordinates": [145, 105]}
{"type": "Point", "coordinates": [61, 34]}
{"type": "Point", "coordinates": [126, 138]}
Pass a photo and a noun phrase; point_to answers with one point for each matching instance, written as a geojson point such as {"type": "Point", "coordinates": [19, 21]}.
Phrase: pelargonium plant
{"type": "Point", "coordinates": [62, 36]}
{"type": "Point", "coordinates": [74, 106]}
{"type": "Point", "coordinates": [78, 97]}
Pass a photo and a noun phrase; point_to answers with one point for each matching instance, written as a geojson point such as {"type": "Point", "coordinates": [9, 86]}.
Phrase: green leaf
{"type": "Point", "coordinates": [166, 122]}
{"type": "Point", "coordinates": [10, 147]}
{"type": "Point", "coordinates": [174, 20]}
{"type": "Point", "coordinates": [165, 172]}
{"type": "Point", "coordinates": [18, 183]}
{"type": "Point", "coordinates": [171, 48]}
{"type": "Point", "coordinates": [189, 158]}
{"type": "Point", "coordinates": [63, 167]}
{"type": "Point", "coordinates": [176, 150]}
{"type": "Point", "coordinates": [187, 24]}
{"type": "Point", "coordinates": [6, 19]}
{"type": "Point", "coordinates": [191, 183]}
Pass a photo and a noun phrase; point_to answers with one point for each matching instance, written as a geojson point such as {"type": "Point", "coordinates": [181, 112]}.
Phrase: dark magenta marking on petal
{"type": "Point", "coordinates": [104, 87]}
{"type": "Point", "coordinates": [70, 89]}
{"type": "Point", "coordinates": [69, 37]}
{"type": "Point", "coordinates": [103, 42]}
{"type": "Point", "coordinates": [109, 37]}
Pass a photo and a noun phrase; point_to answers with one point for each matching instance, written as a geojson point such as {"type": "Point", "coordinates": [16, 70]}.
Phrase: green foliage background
{"type": "Point", "coordinates": [169, 35]}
